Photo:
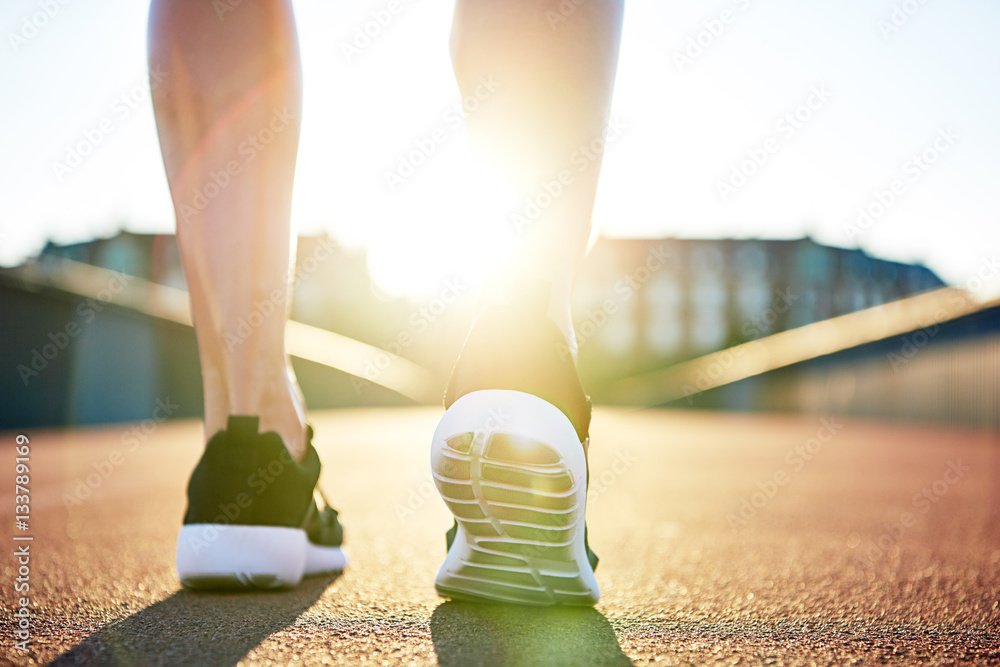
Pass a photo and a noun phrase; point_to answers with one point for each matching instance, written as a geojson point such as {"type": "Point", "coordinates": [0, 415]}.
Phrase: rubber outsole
{"type": "Point", "coordinates": [226, 557]}
{"type": "Point", "coordinates": [512, 470]}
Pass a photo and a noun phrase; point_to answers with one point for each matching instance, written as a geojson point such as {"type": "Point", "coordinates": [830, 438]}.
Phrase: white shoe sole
{"type": "Point", "coordinates": [512, 470]}
{"type": "Point", "coordinates": [220, 556]}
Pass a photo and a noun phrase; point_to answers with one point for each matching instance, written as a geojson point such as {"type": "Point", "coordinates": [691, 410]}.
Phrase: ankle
{"type": "Point", "coordinates": [284, 413]}
{"type": "Point", "coordinates": [291, 428]}
{"type": "Point", "coordinates": [278, 405]}
{"type": "Point", "coordinates": [561, 314]}
{"type": "Point", "coordinates": [524, 343]}
{"type": "Point", "coordinates": [515, 292]}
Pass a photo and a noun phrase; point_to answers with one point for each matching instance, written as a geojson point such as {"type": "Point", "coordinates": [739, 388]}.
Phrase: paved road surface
{"type": "Point", "coordinates": [837, 560]}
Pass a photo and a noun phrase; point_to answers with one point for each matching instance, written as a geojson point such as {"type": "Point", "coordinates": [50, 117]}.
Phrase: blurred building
{"type": "Point", "coordinates": [644, 304]}
{"type": "Point", "coordinates": [640, 305]}
{"type": "Point", "coordinates": [66, 360]}
{"type": "Point", "coordinates": [945, 371]}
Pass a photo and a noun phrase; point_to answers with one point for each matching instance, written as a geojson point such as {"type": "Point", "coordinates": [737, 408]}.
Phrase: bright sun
{"type": "Point", "coordinates": [449, 224]}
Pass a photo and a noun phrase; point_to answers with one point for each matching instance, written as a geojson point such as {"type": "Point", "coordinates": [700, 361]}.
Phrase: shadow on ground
{"type": "Point", "coordinates": [196, 628]}
{"type": "Point", "coordinates": [477, 634]}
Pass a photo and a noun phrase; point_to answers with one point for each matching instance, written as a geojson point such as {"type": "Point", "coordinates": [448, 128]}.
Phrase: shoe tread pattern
{"type": "Point", "coordinates": [516, 501]}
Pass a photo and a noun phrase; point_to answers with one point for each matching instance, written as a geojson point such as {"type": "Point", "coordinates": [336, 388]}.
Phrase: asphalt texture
{"type": "Point", "coordinates": [724, 539]}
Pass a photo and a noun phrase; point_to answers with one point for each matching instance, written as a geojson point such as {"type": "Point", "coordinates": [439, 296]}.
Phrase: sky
{"type": "Point", "coordinates": [735, 118]}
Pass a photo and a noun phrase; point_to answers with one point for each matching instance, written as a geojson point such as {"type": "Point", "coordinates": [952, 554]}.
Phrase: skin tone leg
{"type": "Point", "coordinates": [554, 96]}
{"type": "Point", "coordinates": [231, 79]}
{"type": "Point", "coordinates": [228, 116]}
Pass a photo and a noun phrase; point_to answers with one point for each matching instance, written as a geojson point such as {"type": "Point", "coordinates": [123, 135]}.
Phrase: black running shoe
{"type": "Point", "coordinates": [255, 516]}
{"type": "Point", "coordinates": [509, 459]}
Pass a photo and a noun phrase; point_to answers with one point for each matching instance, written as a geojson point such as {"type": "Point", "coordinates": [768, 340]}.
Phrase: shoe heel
{"type": "Point", "coordinates": [221, 556]}
{"type": "Point", "coordinates": [511, 468]}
